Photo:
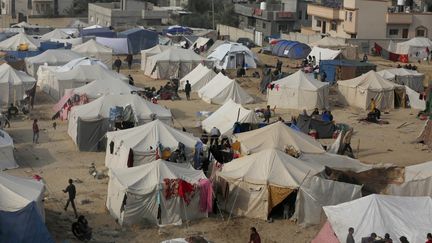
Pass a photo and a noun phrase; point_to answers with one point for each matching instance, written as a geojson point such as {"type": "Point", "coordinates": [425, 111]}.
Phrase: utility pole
{"type": "Point", "coordinates": [213, 14]}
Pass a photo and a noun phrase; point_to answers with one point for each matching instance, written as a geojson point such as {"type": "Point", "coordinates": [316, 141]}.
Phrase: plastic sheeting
{"type": "Point", "coordinates": [139, 39]}
{"type": "Point", "coordinates": [291, 49]}
{"type": "Point", "coordinates": [324, 53]}
{"type": "Point", "coordinates": [118, 45]}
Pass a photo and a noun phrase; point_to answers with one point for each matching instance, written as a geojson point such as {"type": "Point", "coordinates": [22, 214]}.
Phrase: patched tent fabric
{"type": "Point", "coordinates": [118, 45]}
{"type": "Point", "coordinates": [358, 92]}
{"type": "Point", "coordinates": [95, 50]}
{"type": "Point", "coordinates": [53, 57]}
{"type": "Point", "coordinates": [316, 192]}
{"type": "Point", "coordinates": [298, 91]}
{"type": "Point", "coordinates": [174, 62]}
{"type": "Point", "coordinates": [13, 43]}
{"type": "Point", "coordinates": [291, 49]}
{"type": "Point", "coordinates": [139, 39]}
{"type": "Point", "coordinates": [151, 52]}
{"type": "Point", "coordinates": [143, 141]}
{"type": "Point", "coordinates": [13, 85]}
{"type": "Point", "coordinates": [7, 159]}
{"type": "Point", "coordinates": [254, 179]}
{"type": "Point", "coordinates": [228, 114]}
{"type": "Point", "coordinates": [399, 216]}
{"type": "Point", "coordinates": [55, 34]}
{"type": "Point", "coordinates": [89, 123]}
{"type": "Point", "coordinates": [277, 135]}
{"type": "Point", "coordinates": [232, 56]}
{"type": "Point", "coordinates": [142, 186]}
{"type": "Point", "coordinates": [324, 53]}
{"type": "Point", "coordinates": [402, 76]}
{"type": "Point", "coordinates": [222, 89]}
{"type": "Point", "coordinates": [198, 77]}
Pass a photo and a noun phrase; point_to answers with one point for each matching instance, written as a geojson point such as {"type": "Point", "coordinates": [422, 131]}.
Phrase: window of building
{"type": "Point", "coordinates": [318, 23]}
{"type": "Point", "coordinates": [333, 26]}
{"type": "Point", "coordinates": [346, 15]}
{"type": "Point", "coordinates": [421, 31]}
{"type": "Point", "coordinates": [393, 31]}
{"type": "Point", "coordinates": [263, 25]}
{"type": "Point", "coordinates": [306, 16]}
{"type": "Point", "coordinates": [353, 36]}
{"type": "Point", "coordinates": [350, 16]}
{"type": "Point", "coordinates": [300, 13]}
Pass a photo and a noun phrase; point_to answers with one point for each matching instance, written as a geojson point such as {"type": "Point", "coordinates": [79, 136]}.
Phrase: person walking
{"type": "Point", "coordinates": [117, 64]}
{"type": "Point", "coordinates": [188, 89]}
{"type": "Point", "coordinates": [70, 189]}
{"type": "Point", "coordinates": [129, 60]}
{"type": "Point", "coordinates": [267, 114]}
{"type": "Point", "coordinates": [346, 143]}
{"type": "Point", "coordinates": [350, 236]}
{"type": "Point", "coordinates": [131, 80]}
{"type": "Point", "coordinates": [35, 131]}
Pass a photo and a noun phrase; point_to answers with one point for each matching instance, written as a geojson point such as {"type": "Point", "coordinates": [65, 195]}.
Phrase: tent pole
{"type": "Point", "coordinates": [238, 115]}
{"type": "Point", "coordinates": [232, 207]}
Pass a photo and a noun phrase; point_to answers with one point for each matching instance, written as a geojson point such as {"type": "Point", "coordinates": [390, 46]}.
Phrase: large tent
{"type": "Point", "coordinates": [139, 39]}
{"type": "Point", "coordinates": [118, 45]}
{"type": "Point", "coordinates": [277, 135]}
{"type": "Point", "coordinates": [89, 123]}
{"type": "Point", "coordinates": [414, 99]}
{"type": "Point", "coordinates": [291, 49]}
{"type": "Point", "coordinates": [417, 181]}
{"type": "Point", "coordinates": [232, 56]}
{"type": "Point", "coordinates": [298, 91]}
{"type": "Point", "coordinates": [222, 89]}
{"type": "Point", "coordinates": [399, 216]}
{"type": "Point", "coordinates": [55, 34]}
{"type": "Point", "coordinates": [98, 32]}
{"type": "Point", "coordinates": [143, 142]}
{"type": "Point", "coordinates": [402, 76]}
{"type": "Point", "coordinates": [95, 50]}
{"type": "Point", "coordinates": [151, 52]}
{"type": "Point", "coordinates": [82, 61]}
{"type": "Point", "coordinates": [100, 87]}
{"type": "Point", "coordinates": [13, 84]}
{"type": "Point", "coordinates": [19, 41]}
{"type": "Point", "coordinates": [358, 92]}
{"type": "Point", "coordinates": [53, 57]}
{"type": "Point", "coordinates": [136, 195]}
{"type": "Point", "coordinates": [57, 82]}
{"type": "Point", "coordinates": [198, 77]}
{"type": "Point", "coordinates": [174, 62]}
{"type": "Point", "coordinates": [416, 48]}
{"type": "Point", "coordinates": [22, 211]}
{"type": "Point", "coordinates": [7, 159]}
{"type": "Point", "coordinates": [228, 114]}
{"type": "Point", "coordinates": [259, 182]}
{"type": "Point", "coordinates": [324, 53]}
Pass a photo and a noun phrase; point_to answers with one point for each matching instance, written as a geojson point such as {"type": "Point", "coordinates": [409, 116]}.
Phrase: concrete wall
{"type": "Point", "coordinates": [371, 22]}
{"type": "Point", "coordinates": [64, 5]}
{"type": "Point", "coordinates": [424, 20]}
{"type": "Point", "coordinates": [365, 45]}
{"type": "Point", "coordinates": [235, 33]}
{"type": "Point", "coordinates": [295, 36]}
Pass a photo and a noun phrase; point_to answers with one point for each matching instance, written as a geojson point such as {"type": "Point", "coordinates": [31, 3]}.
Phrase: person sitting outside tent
{"type": "Point", "coordinates": [204, 137]}
{"type": "Point", "coordinates": [327, 116]}
{"type": "Point", "coordinates": [314, 61]}
{"type": "Point", "coordinates": [309, 59]}
{"type": "Point", "coordinates": [117, 64]}
{"type": "Point", "coordinates": [429, 238]}
{"type": "Point", "coordinates": [12, 110]}
{"type": "Point", "coordinates": [129, 60]}
{"type": "Point", "coordinates": [350, 237]}
{"type": "Point", "coordinates": [254, 236]}
{"type": "Point", "coordinates": [346, 143]}
{"type": "Point", "coordinates": [323, 76]}
{"type": "Point", "coordinates": [315, 112]}
{"type": "Point", "coordinates": [403, 239]}
{"type": "Point", "coordinates": [131, 80]}
{"type": "Point", "coordinates": [365, 58]}
{"type": "Point", "coordinates": [387, 238]}
{"type": "Point", "coordinates": [188, 89]}
{"type": "Point", "coordinates": [214, 136]}
{"type": "Point", "coordinates": [267, 114]}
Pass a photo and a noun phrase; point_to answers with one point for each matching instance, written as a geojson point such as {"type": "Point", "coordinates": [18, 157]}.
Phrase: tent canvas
{"type": "Point", "coordinates": [55, 34]}
{"type": "Point", "coordinates": [358, 92]}
{"type": "Point", "coordinates": [277, 135]}
{"type": "Point", "coordinates": [399, 216]}
{"type": "Point", "coordinates": [53, 57]}
{"type": "Point", "coordinates": [7, 159]}
{"type": "Point", "coordinates": [69, 41]}
{"type": "Point", "coordinates": [222, 89]}
{"type": "Point", "coordinates": [93, 49]}
{"type": "Point", "coordinates": [139, 39]}
{"type": "Point", "coordinates": [233, 55]}
{"type": "Point", "coordinates": [143, 141]}
{"type": "Point", "coordinates": [329, 42]}
{"type": "Point", "coordinates": [335, 161]}
{"type": "Point", "coordinates": [324, 53]}
{"type": "Point", "coordinates": [198, 77]}
{"type": "Point", "coordinates": [298, 91]}
{"type": "Point", "coordinates": [228, 114]}
{"type": "Point", "coordinates": [13, 43]}
{"type": "Point", "coordinates": [402, 76]}
{"type": "Point", "coordinates": [142, 185]}
{"type": "Point", "coordinates": [151, 52]}
{"type": "Point", "coordinates": [417, 48]}
{"type": "Point", "coordinates": [291, 49]}
{"type": "Point", "coordinates": [13, 85]}
{"type": "Point", "coordinates": [82, 61]}
{"type": "Point", "coordinates": [118, 45]}
{"type": "Point", "coordinates": [414, 101]}
{"type": "Point", "coordinates": [101, 87]}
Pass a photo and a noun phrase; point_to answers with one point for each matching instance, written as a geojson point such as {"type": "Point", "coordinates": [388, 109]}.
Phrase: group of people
{"type": "Point", "coordinates": [373, 238]}
{"type": "Point", "coordinates": [408, 66]}
{"type": "Point", "coordinates": [118, 62]}
{"type": "Point", "coordinates": [326, 115]}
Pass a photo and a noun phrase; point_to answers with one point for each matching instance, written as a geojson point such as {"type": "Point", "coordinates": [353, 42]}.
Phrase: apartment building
{"type": "Point", "coordinates": [34, 8]}
{"type": "Point", "coordinates": [368, 19]}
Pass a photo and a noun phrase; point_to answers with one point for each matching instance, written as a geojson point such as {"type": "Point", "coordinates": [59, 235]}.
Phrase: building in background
{"type": "Point", "coordinates": [34, 8]}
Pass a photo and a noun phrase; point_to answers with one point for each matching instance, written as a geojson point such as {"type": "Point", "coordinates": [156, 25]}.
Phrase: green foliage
{"type": "Point", "coordinates": [201, 16]}
{"type": "Point", "coordinates": [80, 7]}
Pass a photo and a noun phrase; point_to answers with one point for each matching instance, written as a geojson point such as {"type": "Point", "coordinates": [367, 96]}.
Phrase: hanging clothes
{"type": "Point", "coordinates": [206, 195]}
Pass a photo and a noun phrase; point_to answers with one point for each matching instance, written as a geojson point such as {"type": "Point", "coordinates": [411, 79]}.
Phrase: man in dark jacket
{"type": "Point", "coordinates": [117, 64]}
{"type": "Point", "coordinates": [188, 89]}
{"type": "Point", "coordinates": [72, 193]}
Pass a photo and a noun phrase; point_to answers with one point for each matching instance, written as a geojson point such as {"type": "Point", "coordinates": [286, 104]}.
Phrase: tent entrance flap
{"type": "Point", "coordinates": [240, 60]}
{"type": "Point", "coordinates": [90, 134]}
{"type": "Point", "coordinates": [277, 195]}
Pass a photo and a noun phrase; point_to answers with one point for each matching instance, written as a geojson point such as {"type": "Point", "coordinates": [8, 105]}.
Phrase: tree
{"type": "Point", "coordinates": [201, 16]}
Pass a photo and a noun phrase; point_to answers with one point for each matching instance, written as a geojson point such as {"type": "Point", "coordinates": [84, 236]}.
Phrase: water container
{"type": "Point", "coordinates": [263, 6]}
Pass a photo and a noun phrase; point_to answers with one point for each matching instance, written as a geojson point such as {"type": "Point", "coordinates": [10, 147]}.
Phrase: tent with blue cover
{"type": "Point", "coordinates": [178, 30]}
{"type": "Point", "coordinates": [99, 32]}
{"type": "Point", "coordinates": [140, 39]}
{"type": "Point", "coordinates": [291, 49]}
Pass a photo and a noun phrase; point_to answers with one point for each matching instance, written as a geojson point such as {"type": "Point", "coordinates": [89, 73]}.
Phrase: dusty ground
{"type": "Point", "coordinates": [56, 159]}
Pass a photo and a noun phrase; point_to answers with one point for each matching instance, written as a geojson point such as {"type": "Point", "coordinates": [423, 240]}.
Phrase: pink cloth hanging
{"type": "Point", "coordinates": [206, 195]}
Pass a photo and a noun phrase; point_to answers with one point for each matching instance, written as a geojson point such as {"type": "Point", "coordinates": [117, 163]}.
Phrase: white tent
{"type": "Point", "coordinates": [416, 48]}
{"type": "Point", "coordinates": [7, 159]}
{"type": "Point", "coordinates": [71, 41]}
{"type": "Point", "coordinates": [88, 123]}
{"type": "Point", "coordinates": [16, 193]}
{"type": "Point", "coordinates": [95, 50]}
{"type": "Point", "coordinates": [198, 77]}
{"type": "Point", "coordinates": [260, 181]}
{"type": "Point", "coordinates": [13, 43]}
{"type": "Point", "coordinates": [54, 57]}
{"type": "Point", "coordinates": [329, 42]}
{"type": "Point", "coordinates": [100, 87]}
{"type": "Point", "coordinates": [55, 34]}
{"type": "Point", "coordinates": [298, 91]}
{"type": "Point", "coordinates": [316, 192]}
{"type": "Point", "coordinates": [233, 55]}
{"type": "Point", "coordinates": [82, 61]}
{"type": "Point", "coordinates": [402, 76]}
{"type": "Point", "coordinates": [222, 89]}
{"type": "Point", "coordinates": [13, 84]}
{"type": "Point", "coordinates": [358, 91]}
{"type": "Point", "coordinates": [417, 181]}
{"type": "Point", "coordinates": [414, 100]}
{"type": "Point", "coordinates": [143, 141]}
{"type": "Point", "coordinates": [399, 216]}
{"type": "Point", "coordinates": [278, 136]}
{"type": "Point", "coordinates": [228, 114]}
{"type": "Point", "coordinates": [335, 161]}
{"type": "Point", "coordinates": [135, 194]}
{"type": "Point", "coordinates": [56, 83]}
{"type": "Point", "coordinates": [118, 45]}
{"type": "Point", "coordinates": [324, 53]}
{"type": "Point", "coordinates": [174, 62]}
{"type": "Point", "coordinates": [201, 41]}
{"type": "Point", "coordinates": [151, 52]}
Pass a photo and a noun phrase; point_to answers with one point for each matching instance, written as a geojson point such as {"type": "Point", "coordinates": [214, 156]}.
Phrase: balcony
{"type": "Point", "coordinates": [274, 12]}
{"type": "Point", "coordinates": [399, 18]}
{"type": "Point", "coordinates": [323, 12]}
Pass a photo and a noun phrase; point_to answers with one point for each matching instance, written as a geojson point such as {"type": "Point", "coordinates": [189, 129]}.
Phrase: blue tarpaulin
{"type": "Point", "coordinates": [98, 32]}
{"type": "Point", "coordinates": [291, 49]}
{"type": "Point", "coordinates": [24, 226]}
{"type": "Point", "coordinates": [139, 39]}
{"type": "Point", "coordinates": [178, 30]}
{"type": "Point", "coordinates": [47, 45]}
{"type": "Point", "coordinates": [21, 54]}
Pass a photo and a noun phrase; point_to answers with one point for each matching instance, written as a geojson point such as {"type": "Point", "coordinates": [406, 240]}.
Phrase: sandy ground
{"type": "Point", "coordinates": [56, 159]}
